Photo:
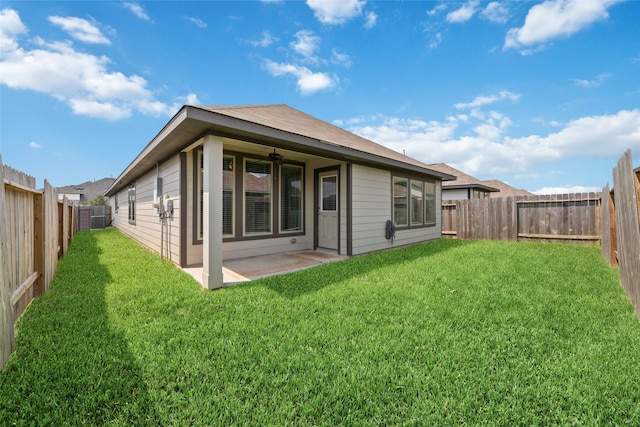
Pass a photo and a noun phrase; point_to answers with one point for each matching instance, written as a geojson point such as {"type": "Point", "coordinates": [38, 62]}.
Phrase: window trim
{"type": "Point", "coordinates": [409, 179]}
{"type": "Point", "coordinates": [238, 199]}
{"type": "Point", "coordinates": [244, 194]}
{"type": "Point", "coordinates": [131, 202]}
{"type": "Point", "coordinates": [281, 199]}
{"type": "Point", "coordinates": [427, 222]}
{"type": "Point", "coordinates": [394, 198]}
{"type": "Point", "coordinates": [198, 184]}
{"type": "Point", "coordinates": [420, 199]}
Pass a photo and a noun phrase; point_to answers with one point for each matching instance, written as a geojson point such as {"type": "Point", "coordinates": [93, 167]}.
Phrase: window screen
{"type": "Point", "coordinates": [227, 196]}
{"type": "Point", "coordinates": [291, 198]}
{"type": "Point", "coordinates": [416, 202]}
{"type": "Point", "coordinates": [400, 213]}
{"type": "Point", "coordinates": [430, 202]}
{"type": "Point", "coordinates": [257, 197]}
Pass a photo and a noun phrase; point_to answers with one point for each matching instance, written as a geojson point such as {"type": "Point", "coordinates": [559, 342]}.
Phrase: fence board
{"type": "Point", "coordinates": [7, 341]}
{"type": "Point", "coordinates": [626, 188]}
{"type": "Point", "coordinates": [51, 238]}
{"type": "Point", "coordinates": [608, 227]}
{"type": "Point", "coordinates": [30, 229]}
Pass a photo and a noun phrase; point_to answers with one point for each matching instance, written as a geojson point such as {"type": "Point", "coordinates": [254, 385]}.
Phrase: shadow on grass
{"type": "Point", "coordinates": [294, 285]}
{"type": "Point", "coordinates": [70, 367]}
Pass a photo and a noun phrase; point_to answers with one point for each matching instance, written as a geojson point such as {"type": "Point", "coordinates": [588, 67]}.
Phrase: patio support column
{"type": "Point", "coordinates": [212, 213]}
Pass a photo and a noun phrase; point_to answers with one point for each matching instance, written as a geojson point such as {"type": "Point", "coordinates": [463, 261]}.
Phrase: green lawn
{"type": "Point", "coordinates": [445, 333]}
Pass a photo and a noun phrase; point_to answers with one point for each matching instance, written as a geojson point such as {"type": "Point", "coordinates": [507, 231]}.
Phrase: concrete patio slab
{"type": "Point", "coordinates": [247, 269]}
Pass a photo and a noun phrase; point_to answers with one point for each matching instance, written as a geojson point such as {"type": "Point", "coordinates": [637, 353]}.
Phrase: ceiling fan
{"type": "Point", "coordinates": [276, 158]}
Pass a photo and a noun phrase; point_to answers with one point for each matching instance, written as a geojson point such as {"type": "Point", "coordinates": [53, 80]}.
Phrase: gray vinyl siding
{"type": "Point", "coordinates": [372, 208]}
{"type": "Point", "coordinates": [371, 198]}
{"type": "Point", "coordinates": [456, 194]}
{"type": "Point", "coordinates": [147, 228]}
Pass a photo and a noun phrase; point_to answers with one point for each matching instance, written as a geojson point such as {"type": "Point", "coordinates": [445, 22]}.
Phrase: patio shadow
{"type": "Point", "coordinates": [70, 367]}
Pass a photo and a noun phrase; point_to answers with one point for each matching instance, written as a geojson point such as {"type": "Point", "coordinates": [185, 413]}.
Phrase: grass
{"type": "Point", "coordinates": [444, 333]}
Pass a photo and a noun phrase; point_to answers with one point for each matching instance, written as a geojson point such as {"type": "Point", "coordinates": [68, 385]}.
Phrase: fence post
{"type": "Point", "coordinates": [608, 233]}
{"type": "Point", "coordinates": [7, 338]}
{"type": "Point", "coordinates": [38, 243]}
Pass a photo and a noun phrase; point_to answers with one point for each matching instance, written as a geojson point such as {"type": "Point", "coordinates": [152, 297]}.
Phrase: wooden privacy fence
{"type": "Point", "coordinates": [565, 217]}
{"type": "Point", "coordinates": [92, 217]}
{"type": "Point", "coordinates": [621, 226]}
{"type": "Point", "coordinates": [35, 229]}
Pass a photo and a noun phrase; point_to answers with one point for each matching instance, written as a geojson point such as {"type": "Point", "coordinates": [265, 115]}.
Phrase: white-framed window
{"type": "Point", "coordinates": [291, 198]}
{"type": "Point", "coordinates": [257, 197]}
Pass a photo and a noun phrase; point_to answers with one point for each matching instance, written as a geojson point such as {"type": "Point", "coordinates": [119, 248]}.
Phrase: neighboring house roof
{"type": "Point", "coordinates": [87, 190]}
{"type": "Point", "coordinates": [277, 125]}
{"type": "Point", "coordinates": [505, 190]}
{"type": "Point", "coordinates": [463, 180]}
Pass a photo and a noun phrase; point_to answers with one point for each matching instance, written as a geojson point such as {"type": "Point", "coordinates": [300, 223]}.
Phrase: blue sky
{"type": "Point", "coordinates": [544, 95]}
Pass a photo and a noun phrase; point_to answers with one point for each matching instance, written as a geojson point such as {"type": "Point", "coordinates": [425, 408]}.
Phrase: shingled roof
{"type": "Point", "coordinates": [505, 190]}
{"type": "Point", "coordinates": [284, 118]}
{"type": "Point", "coordinates": [463, 180]}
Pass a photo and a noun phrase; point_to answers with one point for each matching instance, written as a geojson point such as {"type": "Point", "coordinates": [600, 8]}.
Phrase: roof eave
{"type": "Point", "coordinates": [210, 122]}
{"type": "Point", "coordinates": [476, 186]}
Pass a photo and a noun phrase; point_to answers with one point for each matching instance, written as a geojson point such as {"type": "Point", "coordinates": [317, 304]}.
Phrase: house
{"type": "Point", "coordinates": [83, 194]}
{"type": "Point", "coordinates": [464, 187]}
{"type": "Point", "coordinates": [506, 190]}
{"type": "Point", "coordinates": [220, 183]}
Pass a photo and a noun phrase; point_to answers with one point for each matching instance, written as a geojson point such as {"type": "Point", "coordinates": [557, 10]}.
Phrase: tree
{"type": "Point", "coordinates": [99, 200]}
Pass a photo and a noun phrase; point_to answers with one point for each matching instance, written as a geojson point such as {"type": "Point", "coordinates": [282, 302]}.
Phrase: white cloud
{"type": "Point", "coordinates": [439, 8]}
{"type": "Point", "coordinates": [496, 12]}
{"type": "Point", "coordinates": [82, 81]}
{"type": "Point", "coordinates": [479, 101]}
{"type": "Point", "coordinates": [435, 42]}
{"type": "Point", "coordinates": [190, 99]}
{"type": "Point", "coordinates": [80, 29]}
{"type": "Point", "coordinates": [464, 13]}
{"type": "Point", "coordinates": [370, 20]}
{"type": "Point", "coordinates": [266, 40]}
{"type": "Point", "coordinates": [306, 45]}
{"type": "Point", "coordinates": [555, 19]}
{"type": "Point", "coordinates": [99, 109]}
{"type": "Point", "coordinates": [10, 28]}
{"type": "Point", "coordinates": [34, 145]}
{"type": "Point", "coordinates": [340, 58]}
{"type": "Point", "coordinates": [308, 82]}
{"type": "Point", "coordinates": [137, 10]}
{"type": "Point", "coordinates": [482, 146]}
{"type": "Point", "coordinates": [567, 189]}
{"type": "Point", "coordinates": [597, 81]}
{"type": "Point", "coordinates": [334, 12]}
{"type": "Point", "coordinates": [199, 22]}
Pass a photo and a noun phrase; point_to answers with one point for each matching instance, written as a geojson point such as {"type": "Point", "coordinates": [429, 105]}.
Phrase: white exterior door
{"type": "Point", "coordinates": [328, 210]}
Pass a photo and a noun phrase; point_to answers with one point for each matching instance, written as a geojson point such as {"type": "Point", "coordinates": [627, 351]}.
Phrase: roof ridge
{"type": "Point", "coordinates": [237, 107]}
